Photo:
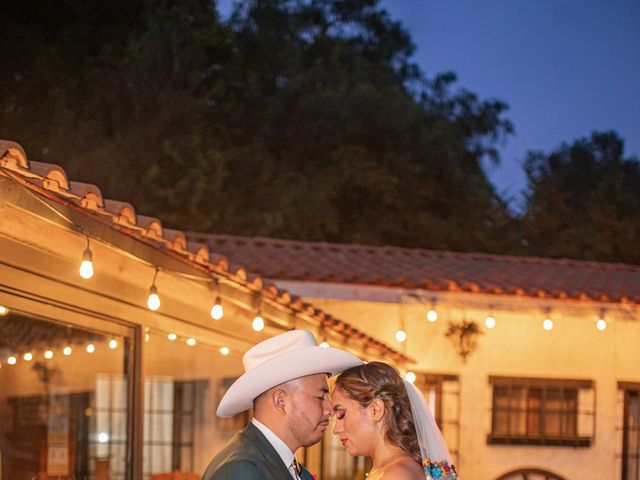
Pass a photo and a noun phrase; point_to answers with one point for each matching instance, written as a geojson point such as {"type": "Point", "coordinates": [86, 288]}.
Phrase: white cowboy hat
{"type": "Point", "coordinates": [277, 360]}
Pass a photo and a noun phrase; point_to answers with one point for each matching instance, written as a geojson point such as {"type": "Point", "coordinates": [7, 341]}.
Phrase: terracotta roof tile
{"type": "Point", "coordinates": [430, 269]}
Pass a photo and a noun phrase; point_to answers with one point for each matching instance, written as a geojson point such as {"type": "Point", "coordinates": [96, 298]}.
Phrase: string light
{"type": "Point", "coordinates": [601, 324]}
{"type": "Point", "coordinates": [91, 348]}
{"type": "Point", "coordinates": [113, 344]}
{"type": "Point", "coordinates": [153, 302]}
{"type": "Point", "coordinates": [86, 266]}
{"type": "Point", "coordinates": [258, 323]}
{"type": "Point", "coordinates": [547, 324]}
{"type": "Point", "coordinates": [67, 350]}
{"type": "Point", "coordinates": [12, 360]}
{"type": "Point", "coordinates": [224, 351]}
{"type": "Point", "coordinates": [324, 344]}
{"type": "Point", "coordinates": [432, 315]}
{"type": "Point", "coordinates": [401, 335]}
{"type": "Point", "coordinates": [191, 341]}
{"type": "Point", "coordinates": [3, 311]}
{"type": "Point", "coordinates": [48, 354]}
{"type": "Point", "coordinates": [490, 321]}
{"type": "Point", "coordinates": [172, 336]}
{"type": "Point", "coordinates": [28, 356]}
{"type": "Point", "coordinates": [410, 377]}
{"type": "Point", "coordinates": [217, 312]}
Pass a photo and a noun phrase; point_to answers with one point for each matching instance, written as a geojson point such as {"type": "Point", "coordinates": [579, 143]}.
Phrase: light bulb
{"type": "Point", "coordinates": [91, 348]}
{"type": "Point", "coordinates": [324, 344]}
{"type": "Point", "coordinates": [410, 377]}
{"type": "Point", "coordinates": [113, 344]}
{"type": "Point", "coordinates": [224, 350]}
{"type": "Point", "coordinates": [153, 302]}
{"type": "Point", "coordinates": [147, 337]}
{"type": "Point", "coordinates": [191, 341]}
{"type": "Point", "coordinates": [401, 335]}
{"type": "Point", "coordinates": [67, 351]}
{"type": "Point", "coordinates": [48, 354]}
{"type": "Point", "coordinates": [258, 323]}
{"type": "Point", "coordinates": [3, 310]}
{"type": "Point", "coordinates": [490, 321]}
{"type": "Point", "coordinates": [547, 324]}
{"type": "Point", "coordinates": [601, 324]}
{"type": "Point", "coordinates": [86, 267]}
{"type": "Point", "coordinates": [12, 360]}
{"type": "Point", "coordinates": [172, 336]}
{"type": "Point", "coordinates": [103, 437]}
{"type": "Point", "coordinates": [28, 356]}
{"type": "Point", "coordinates": [217, 311]}
{"type": "Point", "coordinates": [432, 315]}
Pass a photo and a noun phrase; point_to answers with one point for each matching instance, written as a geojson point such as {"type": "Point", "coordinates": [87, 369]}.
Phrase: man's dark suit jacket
{"type": "Point", "coordinates": [250, 456]}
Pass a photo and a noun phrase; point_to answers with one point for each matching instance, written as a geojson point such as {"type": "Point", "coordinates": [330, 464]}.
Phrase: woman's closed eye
{"type": "Point", "coordinates": [340, 414]}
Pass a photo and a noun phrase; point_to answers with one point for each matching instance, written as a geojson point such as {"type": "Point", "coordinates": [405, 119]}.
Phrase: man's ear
{"type": "Point", "coordinates": [279, 400]}
{"type": "Point", "coordinates": [376, 409]}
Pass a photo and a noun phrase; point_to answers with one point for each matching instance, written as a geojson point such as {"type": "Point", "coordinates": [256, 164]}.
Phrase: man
{"type": "Point", "coordinates": [285, 381]}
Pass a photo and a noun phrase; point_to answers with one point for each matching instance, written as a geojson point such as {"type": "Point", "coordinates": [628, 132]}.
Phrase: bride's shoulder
{"type": "Point", "coordinates": [404, 470]}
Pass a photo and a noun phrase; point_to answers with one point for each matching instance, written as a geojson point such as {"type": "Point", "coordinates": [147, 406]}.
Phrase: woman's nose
{"type": "Point", "coordinates": [337, 427]}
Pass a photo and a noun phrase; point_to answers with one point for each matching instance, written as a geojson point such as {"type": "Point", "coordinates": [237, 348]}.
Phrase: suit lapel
{"type": "Point", "coordinates": [276, 466]}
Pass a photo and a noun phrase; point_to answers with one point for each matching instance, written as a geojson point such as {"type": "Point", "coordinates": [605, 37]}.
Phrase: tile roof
{"type": "Point", "coordinates": [430, 270]}
{"type": "Point", "coordinates": [51, 181]}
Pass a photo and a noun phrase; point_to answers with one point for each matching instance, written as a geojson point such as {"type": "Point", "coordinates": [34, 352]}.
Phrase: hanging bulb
{"type": "Point", "coordinates": [601, 324]}
{"type": "Point", "coordinates": [86, 267]}
{"type": "Point", "coordinates": [172, 336]}
{"type": "Point", "coordinates": [258, 323]}
{"type": "Point", "coordinates": [12, 360]}
{"type": "Point", "coordinates": [401, 335]}
{"type": "Point", "coordinates": [410, 377]}
{"type": "Point", "coordinates": [91, 348]}
{"type": "Point", "coordinates": [217, 311]}
{"type": "Point", "coordinates": [432, 315]}
{"type": "Point", "coordinates": [490, 321]}
{"type": "Point", "coordinates": [153, 302]}
{"type": "Point", "coordinates": [324, 344]}
{"type": "Point", "coordinates": [113, 344]}
{"type": "Point", "coordinates": [28, 356]}
{"type": "Point", "coordinates": [3, 310]}
{"type": "Point", "coordinates": [67, 350]}
{"type": "Point", "coordinates": [224, 351]}
{"type": "Point", "coordinates": [48, 354]}
{"type": "Point", "coordinates": [547, 324]}
{"type": "Point", "coordinates": [191, 341]}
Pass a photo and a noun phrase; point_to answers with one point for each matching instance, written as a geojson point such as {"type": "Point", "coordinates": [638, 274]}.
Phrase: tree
{"type": "Point", "coordinates": [584, 201]}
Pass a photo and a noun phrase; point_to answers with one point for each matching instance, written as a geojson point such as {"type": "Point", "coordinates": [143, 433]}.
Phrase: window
{"type": "Point", "coordinates": [530, 474]}
{"type": "Point", "coordinates": [631, 431]}
{"type": "Point", "coordinates": [542, 411]}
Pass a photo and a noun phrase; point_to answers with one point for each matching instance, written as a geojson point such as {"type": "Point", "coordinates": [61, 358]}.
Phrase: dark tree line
{"type": "Point", "coordinates": [293, 119]}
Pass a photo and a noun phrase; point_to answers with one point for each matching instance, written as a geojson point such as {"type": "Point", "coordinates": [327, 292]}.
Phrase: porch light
{"type": "Point", "coordinates": [91, 348]}
{"type": "Point", "coordinates": [217, 311]}
{"type": "Point", "coordinates": [191, 341]}
{"type": "Point", "coordinates": [401, 335]}
{"type": "Point", "coordinates": [113, 344]}
{"type": "Point", "coordinates": [28, 357]}
{"type": "Point", "coordinates": [12, 360]}
{"type": "Point", "coordinates": [490, 321]}
{"type": "Point", "coordinates": [410, 377]}
{"type": "Point", "coordinates": [258, 323]}
{"type": "Point", "coordinates": [172, 336]}
{"type": "Point", "coordinates": [601, 324]}
{"type": "Point", "coordinates": [3, 310]}
{"type": "Point", "coordinates": [67, 350]}
{"type": "Point", "coordinates": [153, 302]}
{"type": "Point", "coordinates": [48, 354]}
{"type": "Point", "coordinates": [547, 324]}
{"type": "Point", "coordinates": [86, 267]}
{"type": "Point", "coordinates": [224, 351]}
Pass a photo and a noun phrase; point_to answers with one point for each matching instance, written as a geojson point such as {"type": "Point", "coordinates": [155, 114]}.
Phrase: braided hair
{"type": "Point", "coordinates": [379, 380]}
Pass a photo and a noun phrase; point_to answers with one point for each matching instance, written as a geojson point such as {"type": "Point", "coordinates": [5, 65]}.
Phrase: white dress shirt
{"type": "Point", "coordinates": [276, 442]}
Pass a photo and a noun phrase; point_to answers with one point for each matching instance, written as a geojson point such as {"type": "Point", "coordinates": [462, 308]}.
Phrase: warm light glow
{"type": "Point", "coordinates": [172, 336]}
{"type": "Point", "coordinates": [490, 321]}
{"type": "Point", "coordinates": [12, 360]}
{"type": "Point", "coordinates": [191, 341]}
{"type": "Point", "coordinates": [86, 267]}
{"type": "Point", "coordinates": [217, 311]}
{"type": "Point", "coordinates": [3, 310]}
{"type": "Point", "coordinates": [401, 335]}
{"type": "Point", "coordinates": [547, 324]}
{"type": "Point", "coordinates": [258, 323]}
{"type": "Point", "coordinates": [28, 356]}
{"type": "Point", "coordinates": [153, 302]}
{"type": "Point", "coordinates": [224, 350]}
{"type": "Point", "coordinates": [91, 348]}
{"type": "Point", "coordinates": [601, 324]}
{"type": "Point", "coordinates": [67, 351]}
{"type": "Point", "coordinates": [147, 337]}
{"type": "Point", "coordinates": [432, 315]}
{"type": "Point", "coordinates": [410, 377]}
{"type": "Point", "coordinates": [48, 354]}
{"type": "Point", "coordinates": [103, 437]}
{"type": "Point", "coordinates": [324, 344]}
{"type": "Point", "coordinates": [113, 344]}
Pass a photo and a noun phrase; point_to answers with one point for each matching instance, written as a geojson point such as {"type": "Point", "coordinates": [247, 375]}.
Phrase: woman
{"type": "Point", "coordinates": [381, 416]}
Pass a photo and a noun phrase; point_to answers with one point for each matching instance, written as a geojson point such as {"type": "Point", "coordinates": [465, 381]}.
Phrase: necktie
{"type": "Point", "coordinates": [295, 469]}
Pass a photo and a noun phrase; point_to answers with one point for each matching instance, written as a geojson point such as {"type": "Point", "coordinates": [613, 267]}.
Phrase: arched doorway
{"type": "Point", "coordinates": [530, 474]}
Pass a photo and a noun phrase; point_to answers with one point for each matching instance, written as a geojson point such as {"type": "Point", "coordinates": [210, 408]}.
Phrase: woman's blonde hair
{"type": "Point", "coordinates": [374, 380]}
